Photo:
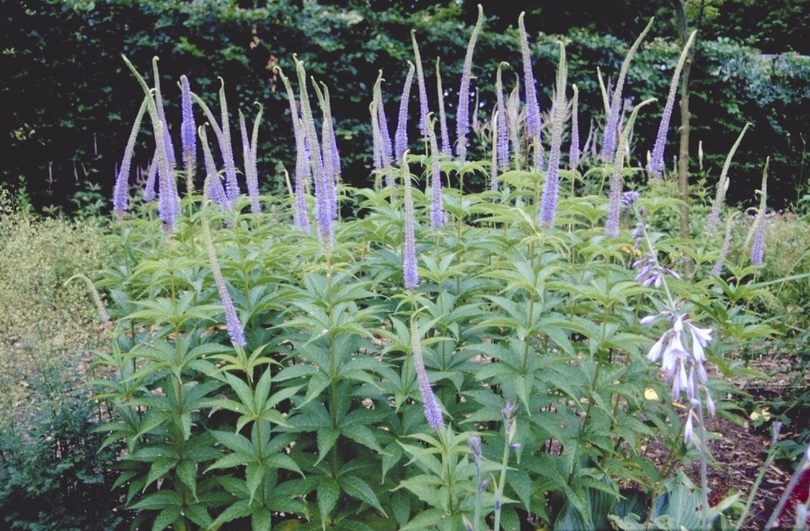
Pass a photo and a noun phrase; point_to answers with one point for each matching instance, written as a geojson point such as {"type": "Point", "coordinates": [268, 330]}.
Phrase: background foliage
{"type": "Point", "coordinates": [68, 97]}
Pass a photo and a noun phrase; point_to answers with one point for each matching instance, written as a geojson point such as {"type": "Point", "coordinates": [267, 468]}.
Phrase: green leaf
{"type": "Point", "coordinates": [328, 493]}
{"type": "Point", "coordinates": [357, 488]}
{"type": "Point", "coordinates": [165, 518]}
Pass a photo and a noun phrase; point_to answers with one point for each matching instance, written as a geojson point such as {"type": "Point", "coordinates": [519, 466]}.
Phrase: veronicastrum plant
{"type": "Point", "coordinates": [443, 360]}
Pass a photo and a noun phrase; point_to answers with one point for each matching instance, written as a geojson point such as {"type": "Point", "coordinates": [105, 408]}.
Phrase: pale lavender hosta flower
{"type": "Point", "coordinates": [401, 135]}
{"type": "Point", "coordinates": [420, 81]}
{"type": "Point", "coordinates": [410, 273]}
{"type": "Point", "coordinates": [681, 350]}
{"type": "Point", "coordinates": [433, 412]}
{"type": "Point", "coordinates": [533, 123]}
{"type": "Point", "coordinates": [651, 272]}
{"type": "Point", "coordinates": [657, 158]}
{"type": "Point", "coordinates": [463, 108]}
{"type": "Point", "coordinates": [443, 131]}
{"type": "Point", "coordinates": [121, 190]}
{"type": "Point", "coordinates": [188, 130]}
{"type": "Point", "coordinates": [436, 200]}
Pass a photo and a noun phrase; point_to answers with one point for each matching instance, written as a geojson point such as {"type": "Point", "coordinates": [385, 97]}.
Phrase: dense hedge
{"type": "Point", "coordinates": [68, 99]}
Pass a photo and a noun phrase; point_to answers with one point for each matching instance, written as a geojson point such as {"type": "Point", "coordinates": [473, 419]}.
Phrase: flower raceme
{"type": "Point", "coordinates": [682, 354]}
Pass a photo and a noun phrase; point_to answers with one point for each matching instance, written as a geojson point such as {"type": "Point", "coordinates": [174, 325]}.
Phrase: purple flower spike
{"type": "Point", "coordinates": [251, 177]}
{"type": "Point", "coordinates": [612, 127]}
{"type": "Point", "coordinates": [234, 326]}
{"type": "Point", "coordinates": [463, 109]}
{"type": "Point", "coordinates": [420, 80]}
{"type": "Point", "coordinates": [657, 159]}
{"type": "Point", "coordinates": [548, 206]}
{"type": "Point", "coordinates": [436, 201]}
{"type": "Point", "coordinates": [574, 152]}
{"type": "Point", "coordinates": [215, 190]}
{"type": "Point", "coordinates": [401, 136]}
{"type": "Point", "coordinates": [442, 116]}
{"type": "Point", "coordinates": [188, 130]}
{"type": "Point", "coordinates": [502, 127]}
{"type": "Point", "coordinates": [121, 190]}
{"type": "Point", "coordinates": [533, 123]}
{"type": "Point", "coordinates": [409, 252]}
{"type": "Point", "coordinates": [433, 412]}
{"type": "Point", "coordinates": [151, 175]}
{"type": "Point", "coordinates": [758, 247]}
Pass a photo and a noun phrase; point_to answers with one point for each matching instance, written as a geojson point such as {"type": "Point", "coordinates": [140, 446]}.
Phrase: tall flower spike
{"type": "Point", "coordinates": [513, 121]}
{"type": "Point", "coordinates": [758, 248]}
{"type": "Point", "coordinates": [121, 190]}
{"type": "Point", "coordinates": [493, 180]}
{"type": "Point", "coordinates": [167, 193]}
{"type": "Point", "coordinates": [616, 180]}
{"type": "Point", "coordinates": [420, 81]}
{"type": "Point", "coordinates": [386, 148]}
{"type": "Point", "coordinates": [334, 156]}
{"type": "Point", "coordinates": [323, 211]}
{"type": "Point", "coordinates": [612, 125]}
{"type": "Point", "coordinates": [463, 108]}
{"type": "Point", "coordinates": [224, 142]}
{"type": "Point", "coordinates": [302, 173]}
{"type": "Point", "coordinates": [410, 274]}
{"type": "Point", "coordinates": [401, 135]}
{"type": "Point", "coordinates": [376, 141]}
{"type": "Point", "coordinates": [214, 187]}
{"type": "Point", "coordinates": [151, 175]}
{"type": "Point", "coordinates": [722, 186]}
{"type": "Point", "coordinates": [724, 249]}
{"type": "Point", "coordinates": [168, 200]}
{"type": "Point", "coordinates": [248, 155]}
{"type": "Point", "coordinates": [548, 206]}
{"type": "Point", "coordinates": [574, 152]}
{"type": "Point", "coordinates": [231, 184]}
{"type": "Point", "coordinates": [502, 137]}
{"type": "Point", "coordinates": [234, 326]}
{"type": "Point", "coordinates": [433, 412]}
{"type": "Point", "coordinates": [327, 140]}
{"type": "Point", "coordinates": [657, 160]}
{"type": "Point", "coordinates": [445, 134]}
{"type": "Point", "coordinates": [533, 124]}
{"type": "Point", "coordinates": [188, 133]}
{"type": "Point", "coordinates": [167, 139]}
{"type": "Point", "coordinates": [436, 200]}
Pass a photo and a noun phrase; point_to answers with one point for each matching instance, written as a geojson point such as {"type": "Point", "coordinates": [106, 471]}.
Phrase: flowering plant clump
{"type": "Point", "coordinates": [441, 359]}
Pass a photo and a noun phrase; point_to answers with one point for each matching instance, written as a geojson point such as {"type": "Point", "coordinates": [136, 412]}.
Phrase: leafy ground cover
{"type": "Point", "coordinates": [518, 342]}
